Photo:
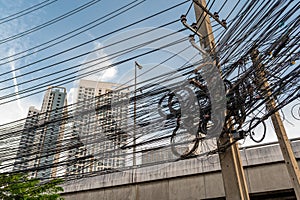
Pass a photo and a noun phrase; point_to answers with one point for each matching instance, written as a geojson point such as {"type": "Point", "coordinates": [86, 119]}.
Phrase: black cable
{"type": "Point", "coordinates": [76, 77]}
{"type": "Point", "coordinates": [50, 22]}
{"type": "Point", "coordinates": [102, 36]}
{"type": "Point", "coordinates": [26, 11]}
{"type": "Point", "coordinates": [100, 20]}
{"type": "Point", "coordinates": [284, 87]}
{"type": "Point", "coordinates": [89, 52]}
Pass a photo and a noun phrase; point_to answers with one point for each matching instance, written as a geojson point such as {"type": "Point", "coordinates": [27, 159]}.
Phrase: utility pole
{"type": "Point", "coordinates": [285, 146]}
{"type": "Point", "coordinates": [232, 171]}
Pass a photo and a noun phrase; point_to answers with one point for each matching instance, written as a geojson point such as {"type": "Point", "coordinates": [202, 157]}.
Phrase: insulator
{"type": "Point", "coordinates": [224, 22]}
{"type": "Point", "coordinates": [194, 26]}
{"type": "Point", "coordinates": [216, 15]}
{"type": "Point", "coordinates": [183, 18]}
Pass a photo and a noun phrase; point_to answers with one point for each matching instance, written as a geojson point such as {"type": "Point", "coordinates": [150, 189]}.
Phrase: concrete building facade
{"type": "Point", "coordinates": [50, 136]}
{"type": "Point", "coordinates": [26, 153]}
{"type": "Point", "coordinates": [100, 127]}
{"type": "Point", "coordinates": [42, 136]}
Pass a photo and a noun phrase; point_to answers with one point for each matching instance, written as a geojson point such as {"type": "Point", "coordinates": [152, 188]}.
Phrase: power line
{"type": "Point", "coordinates": [50, 22]}
{"type": "Point", "coordinates": [82, 29]}
{"type": "Point", "coordinates": [102, 36]}
{"type": "Point", "coordinates": [26, 11]}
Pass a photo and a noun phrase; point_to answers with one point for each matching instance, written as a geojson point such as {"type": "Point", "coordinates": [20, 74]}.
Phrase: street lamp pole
{"type": "Point", "coordinates": [134, 118]}
{"type": "Point", "coordinates": [136, 65]}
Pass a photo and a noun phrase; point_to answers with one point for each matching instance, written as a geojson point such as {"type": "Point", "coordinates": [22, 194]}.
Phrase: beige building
{"type": "Point", "coordinates": [26, 155]}
{"type": "Point", "coordinates": [42, 135]}
{"type": "Point", "coordinates": [49, 137]}
{"type": "Point", "coordinates": [100, 124]}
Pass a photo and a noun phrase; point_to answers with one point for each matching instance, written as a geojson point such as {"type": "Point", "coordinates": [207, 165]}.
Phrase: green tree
{"type": "Point", "coordinates": [20, 187]}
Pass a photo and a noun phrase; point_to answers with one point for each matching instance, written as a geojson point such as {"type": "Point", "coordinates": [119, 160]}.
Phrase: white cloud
{"type": "Point", "coordinates": [17, 109]}
{"type": "Point", "coordinates": [11, 112]}
{"type": "Point", "coordinates": [12, 67]}
{"type": "Point", "coordinates": [71, 95]}
{"type": "Point", "coordinates": [108, 74]}
{"type": "Point", "coordinates": [103, 61]}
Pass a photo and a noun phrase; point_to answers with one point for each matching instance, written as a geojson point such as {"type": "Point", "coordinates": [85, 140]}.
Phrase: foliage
{"type": "Point", "coordinates": [20, 187]}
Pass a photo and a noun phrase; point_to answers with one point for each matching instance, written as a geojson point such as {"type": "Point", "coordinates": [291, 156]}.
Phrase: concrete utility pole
{"type": "Point", "coordinates": [232, 171]}
{"type": "Point", "coordinates": [286, 149]}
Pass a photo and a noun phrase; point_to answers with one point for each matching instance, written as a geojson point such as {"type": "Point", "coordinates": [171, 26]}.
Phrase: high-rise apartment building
{"type": "Point", "coordinates": [49, 139]}
{"type": "Point", "coordinates": [26, 153]}
{"type": "Point", "coordinates": [101, 127]}
{"type": "Point", "coordinates": [42, 136]}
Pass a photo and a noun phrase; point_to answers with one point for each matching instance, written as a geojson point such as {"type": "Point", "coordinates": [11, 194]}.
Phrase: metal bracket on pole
{"type": "Point", "coordinates": [192, 27]}
{"type": "Point", "coordinates": [222, 23]}
{"type": "Point", "coordinates": [192, 41]}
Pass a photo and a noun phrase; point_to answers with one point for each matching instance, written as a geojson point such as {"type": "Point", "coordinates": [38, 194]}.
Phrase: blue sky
{"type": "Point", "coordinates": [56, 9]}
{"type": "Point", "coordinates": [18, 109]}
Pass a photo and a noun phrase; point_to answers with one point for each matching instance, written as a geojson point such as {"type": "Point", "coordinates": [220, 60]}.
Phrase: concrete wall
{"type": "Point", "coordinates": [187, 179]}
